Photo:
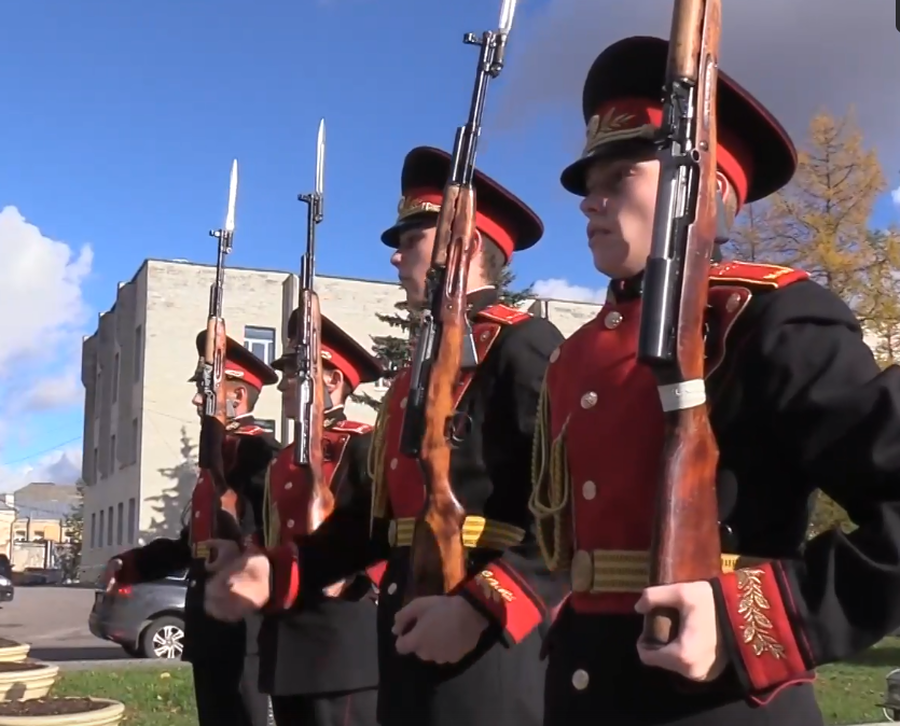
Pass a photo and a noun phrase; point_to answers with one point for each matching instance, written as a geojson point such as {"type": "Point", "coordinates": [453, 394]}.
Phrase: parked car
{"type": "Point", "coordinates": [147, 620]}
{"type": "Point", "coordinates": [7, 589]}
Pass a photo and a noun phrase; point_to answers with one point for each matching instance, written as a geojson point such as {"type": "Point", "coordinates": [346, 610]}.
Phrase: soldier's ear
{"type": "Point", "coordinates": [723, 187]}
{"type": "Point", "coordinates": [477, 243]}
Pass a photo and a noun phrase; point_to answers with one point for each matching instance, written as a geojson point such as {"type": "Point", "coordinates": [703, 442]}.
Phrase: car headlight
{"type": "Point", "coordinates": [4, 581]}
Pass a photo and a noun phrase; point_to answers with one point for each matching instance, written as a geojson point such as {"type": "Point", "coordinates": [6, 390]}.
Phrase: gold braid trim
{"type": "Point", "coordinates": [551, 485]}
{"type": "Point", "coordinates": [375, 463]}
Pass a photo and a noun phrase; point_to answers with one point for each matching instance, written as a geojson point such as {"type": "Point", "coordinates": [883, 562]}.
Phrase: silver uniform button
{"type": "Point", "coordinates": [289, 485]}
{"type": "Point", "coordinates": [613, 320]}
{"type": "Point", "coordinates": [580, 679]}
{"type": "Point", "coordinates": [394, 463]}
{"type": "Point", "coordinates": [290, 524]}
{"type": "Point", "coordinates": [392, 588]}
{"type": "Point", "coordinates": [554, 356]}
{"type": "Point", "coordinates": [589, 490]}
{"type": "Point", "coordinates": [403, 402]}
{"type": "Point", "coordinates": [589, 400]}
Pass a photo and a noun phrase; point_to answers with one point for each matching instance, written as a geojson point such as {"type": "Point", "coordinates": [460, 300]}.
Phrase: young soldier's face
{"type": "Point", "coordinates": [289, 389]}
{"type": "Point", "coordinates": [412, 258]}
{"type": "Point", "coordinates": [620, 206]}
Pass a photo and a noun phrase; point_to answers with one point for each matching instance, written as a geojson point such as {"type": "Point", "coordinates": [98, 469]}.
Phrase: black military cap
{"type": "Point", "coordinates": [500, 215]}
{"type": "Point", "coordinates": [240, 364]}
{"type": "Point", "coordinates": [622, 103]}
{"type": "Point", "coordinates": [340, 350]}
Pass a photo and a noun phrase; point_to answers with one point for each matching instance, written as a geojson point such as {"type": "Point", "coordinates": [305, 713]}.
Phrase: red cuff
{"type": "Point", "coordinates": [376, 572]}
{"type": "Point", "coordinates": [501, 595]}
{"type": "Point", "coordinates": [766, 652]}
{"type": "Point", "coordinates": [285, 577]}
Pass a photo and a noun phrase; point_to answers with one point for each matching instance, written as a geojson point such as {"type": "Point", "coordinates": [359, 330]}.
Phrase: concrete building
{"type": "Point", "coordinates": [140, 429]}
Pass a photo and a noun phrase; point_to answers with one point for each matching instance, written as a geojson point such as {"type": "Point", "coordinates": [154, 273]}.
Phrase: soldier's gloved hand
{"type": "Point", "coordinates": [222, 553]}
{"type": "Point", "coordinates": [440, 629]}
{"type": "Point", "coordinates": [240, 588]}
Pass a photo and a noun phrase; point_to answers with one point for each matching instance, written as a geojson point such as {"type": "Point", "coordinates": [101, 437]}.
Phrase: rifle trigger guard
{"type": "Point", "coordinates": [459, 426]}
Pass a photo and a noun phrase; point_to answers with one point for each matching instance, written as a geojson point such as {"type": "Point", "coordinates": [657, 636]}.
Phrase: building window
{"type": "Point", "coordinates": [93, 530]}
{"type": "Point", "coordinates": [109, 526]}
{"type": "Point", "coordinates": [138, 352]}
{"type": "Point", "coordinates": [120, 523]}
{"type": "Point", "coordinates": [38, 536]}
{"type": "Point", "coordinates": [266, 423]}
{"type": "Point", "coordinates": [112, 456]}
{"type": "Point", "coordinates": [98, 392]}
{"type": "Point", "coordinates": [260, 342]}
{"type": "Point", "coordinates": [132, 519]}
{"type": "Point", "coordinates": [382, 384]}
{"type": "Point", "coordinates": [102, 526]}
{"type": "Point", "coordinates": [134, 440]}
{"type": "Point", "coordinates": [115, 380]}
{"type": "Point", "coordinates": [96, 465]}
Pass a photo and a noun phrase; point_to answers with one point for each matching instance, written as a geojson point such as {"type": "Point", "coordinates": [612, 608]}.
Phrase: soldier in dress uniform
{"type": "Point", "coordinates": [320, 664]}
{"type": "Point", "coordinates": [797, 403]}
{"type": "Point", "coordinates": [223, 655]}
{"type": "Point", "coordinates": [470, 657]}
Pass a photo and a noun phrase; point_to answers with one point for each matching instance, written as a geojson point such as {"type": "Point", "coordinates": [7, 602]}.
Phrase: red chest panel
{"type": "Point", "coordinates": [402, 477]}
{"type": "Point", "coordinates": [287, 487]}
{"type": "Point", "coordinates": [203, 502]}
{"type": "Point", "coordinates": [203, 498]}
{"type": "Point", "coordinates": [613, 422]}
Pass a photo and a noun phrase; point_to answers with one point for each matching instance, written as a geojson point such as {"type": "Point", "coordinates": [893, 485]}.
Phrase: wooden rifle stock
{"type": "Point", "coordinates": [321, 498]}
{"type": "Point", "coordinates": [686, 544]}
{"type": "Point", "coordinates": [226, 517]}
{"type": "Point", "coordinates": [437, 545]}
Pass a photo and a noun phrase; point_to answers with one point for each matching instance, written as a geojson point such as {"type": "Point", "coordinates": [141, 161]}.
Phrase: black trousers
{"type": "Point", "coordinates": [356, 708]}
{"type": "Point", "coordinates": [227, 693]}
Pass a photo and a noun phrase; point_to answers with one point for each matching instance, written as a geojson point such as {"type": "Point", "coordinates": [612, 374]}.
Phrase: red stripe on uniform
{"type": "Point", "coordinates": [497, 590]}
{"type": "Point", "coordinates": [762, 630]}
{"type": "Point", "coordinates": [285, 563]}
{"type": "Point", "coordinates": [376, 572]}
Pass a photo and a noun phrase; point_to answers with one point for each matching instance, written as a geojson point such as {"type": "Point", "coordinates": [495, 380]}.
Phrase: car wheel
{"type": "Point", "coordinates": [164, 639]}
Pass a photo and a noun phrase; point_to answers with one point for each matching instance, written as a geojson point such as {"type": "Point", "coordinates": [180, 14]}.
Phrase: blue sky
{"type": "Point", "coordinates": [122, 118]}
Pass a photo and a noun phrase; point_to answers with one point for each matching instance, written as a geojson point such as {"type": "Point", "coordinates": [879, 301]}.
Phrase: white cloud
{"type": "Point", "coordinates": [895, 195]}
{"type": "Point", "coordinates": [62, 466]}
{"type": "Point", "coordinates": [558, 289]}
{"type": "Point", "coordinates": [793, 55]}
{"type": "Point", "coordinates": [44, 314]}
{"type": "Point", "coordinates": [40, 288]}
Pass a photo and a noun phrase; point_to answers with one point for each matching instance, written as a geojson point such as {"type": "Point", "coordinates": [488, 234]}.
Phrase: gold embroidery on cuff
{"type": "Point", "coordinates": [492, 588]}
{"type": "Point", "coordinates": [757, 628]}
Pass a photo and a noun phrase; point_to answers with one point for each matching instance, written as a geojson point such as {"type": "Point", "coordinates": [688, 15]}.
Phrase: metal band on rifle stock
{"type": "Point", "coordinates": [682, 396]}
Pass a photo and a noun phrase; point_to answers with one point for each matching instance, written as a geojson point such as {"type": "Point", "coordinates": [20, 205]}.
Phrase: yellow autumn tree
{"type": "Point", "coordinates": [820, 223]}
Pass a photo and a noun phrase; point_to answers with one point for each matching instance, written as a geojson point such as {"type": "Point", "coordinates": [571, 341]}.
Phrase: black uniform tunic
{"type": "Point", "coordinates": [797, 403]}
{"type": "Point", "coordinates": [500, 682]}
{"type": "Point", "coordinates": [224, 656]}
{"type": "Point", "coordinates": [320, 663]}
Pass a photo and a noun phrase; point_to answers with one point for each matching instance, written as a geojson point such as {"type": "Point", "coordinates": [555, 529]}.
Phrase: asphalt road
{"type": "Point", "coordinates": [54, 621]}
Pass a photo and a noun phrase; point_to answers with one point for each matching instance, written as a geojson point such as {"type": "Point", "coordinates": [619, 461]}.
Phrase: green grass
{"type": "Point", "coordinates": [847, 692]}
{"type": "Point", "coordinates": [152, 696]}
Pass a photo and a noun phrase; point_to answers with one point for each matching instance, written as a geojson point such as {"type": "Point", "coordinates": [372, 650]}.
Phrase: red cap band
{"type": "Point", "coordinates": [333, 357]}
{"type": "Point", "coordinates": [616, 118]}
{"type": "Point", "coordinates": [238, 372]}
{"type": "Point", "coordinates": [485, 224]}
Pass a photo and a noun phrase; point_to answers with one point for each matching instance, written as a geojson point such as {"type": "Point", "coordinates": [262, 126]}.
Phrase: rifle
{"type": "Point", "coordinates": [307, 346]}
{"type": "Point", "coordinates": [686, 543]}
{"type": "Point", "coordinates": [212, 375]}
{"type": "Point", "coordinates": [445, 345]}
